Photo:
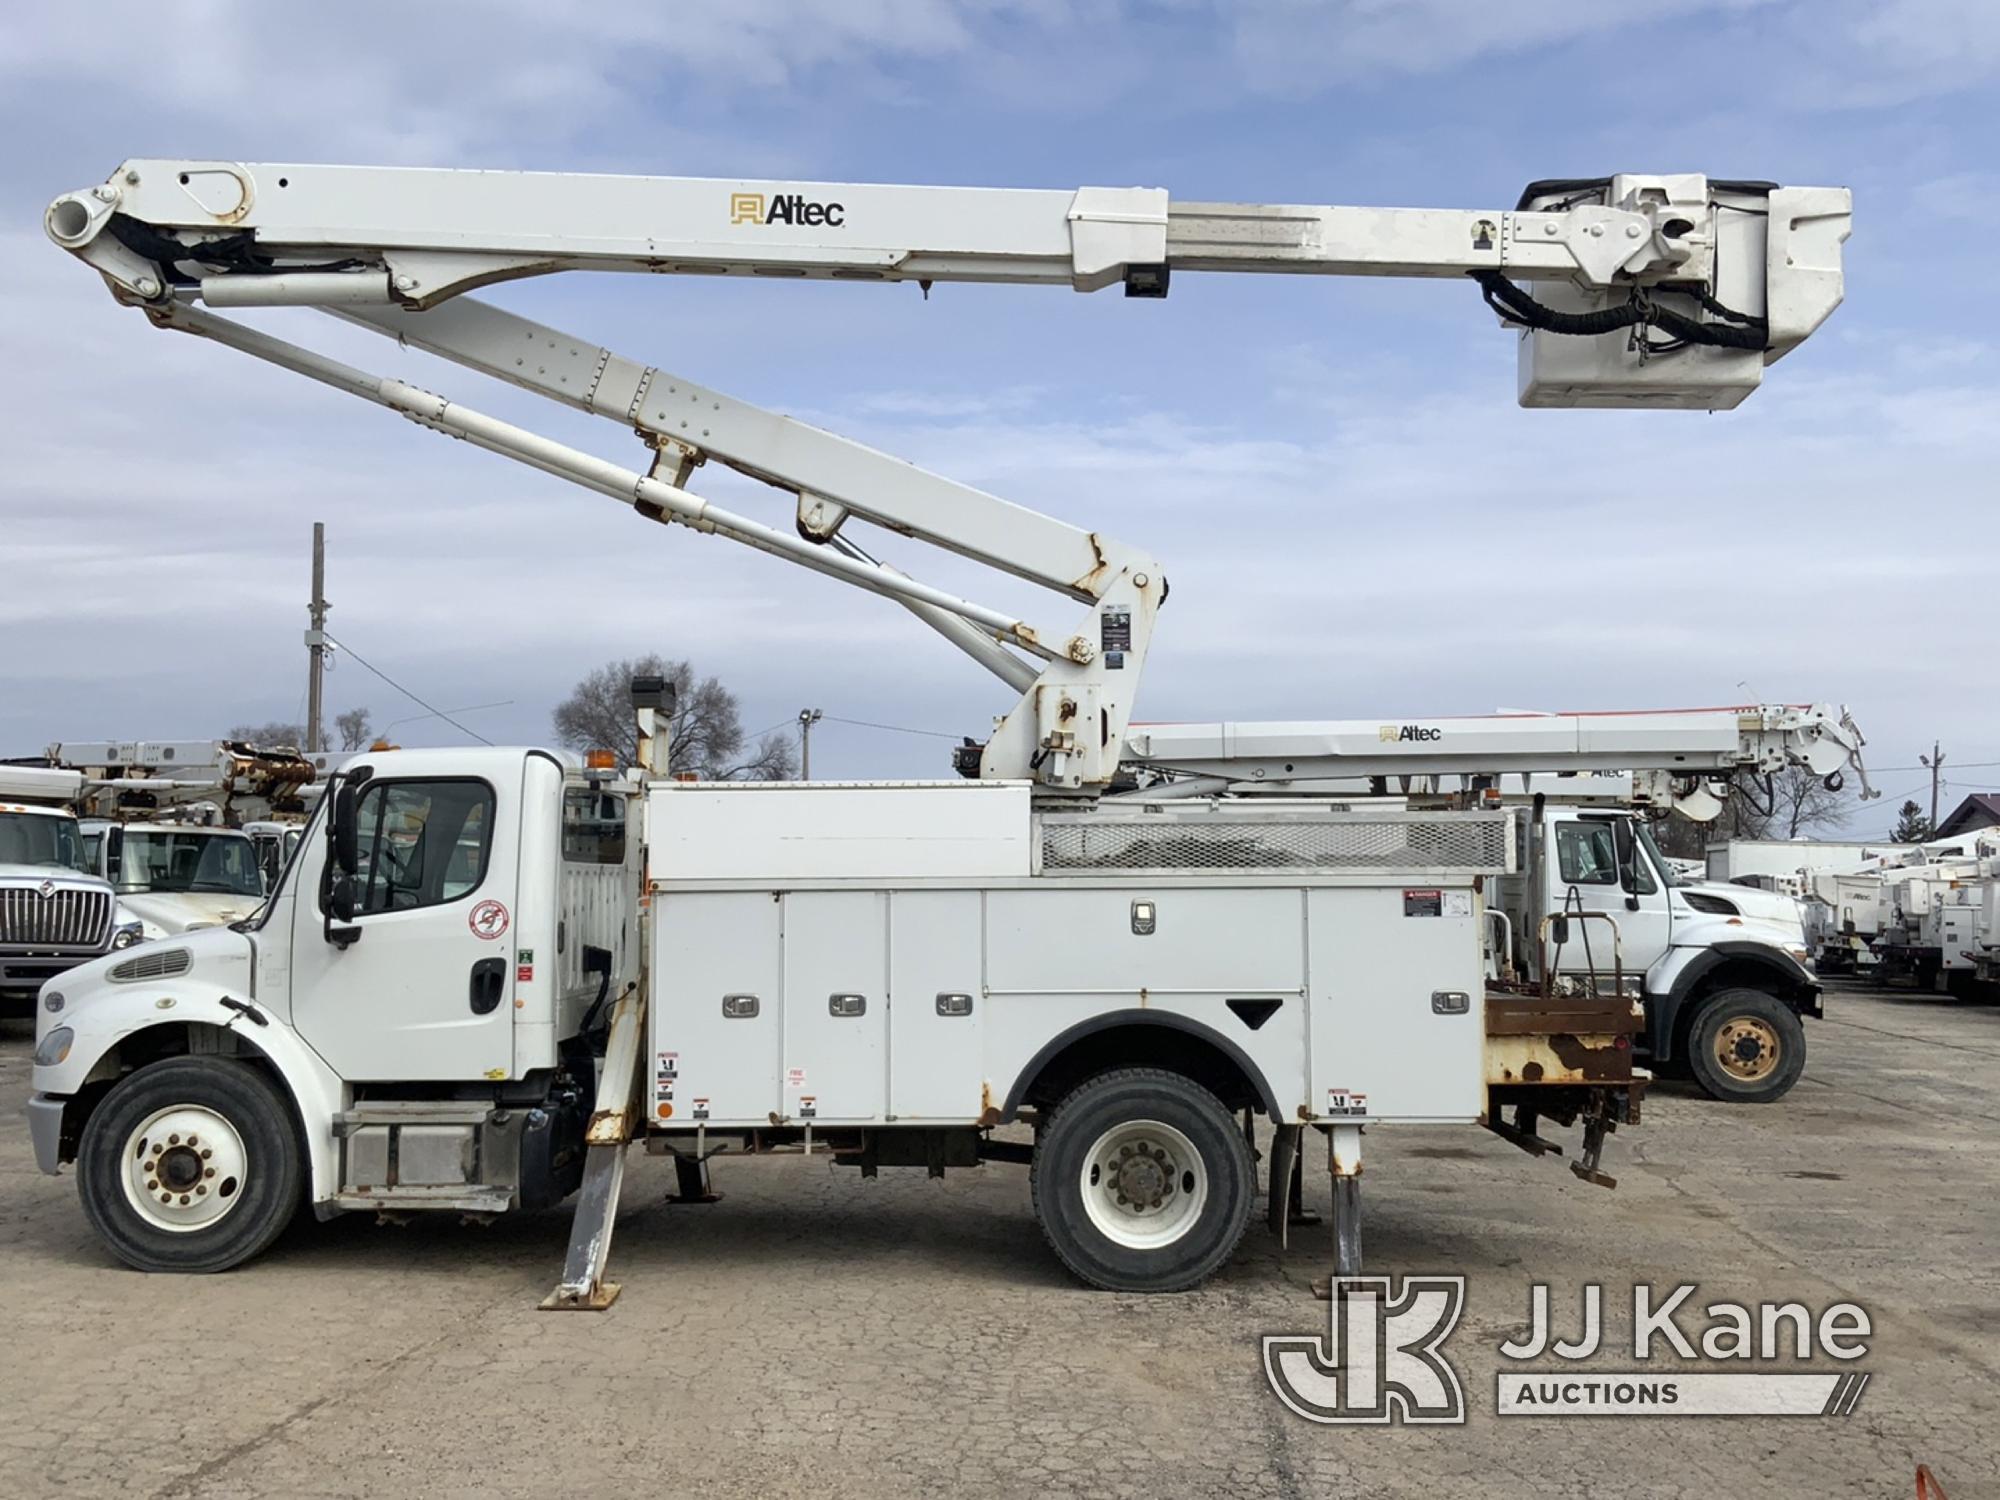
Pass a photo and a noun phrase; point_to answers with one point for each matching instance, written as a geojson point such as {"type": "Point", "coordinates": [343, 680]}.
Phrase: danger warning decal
{"type": "Point", "coordinates": [488, 920]}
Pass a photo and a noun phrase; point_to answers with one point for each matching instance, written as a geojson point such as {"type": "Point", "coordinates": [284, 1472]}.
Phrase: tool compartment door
{"type": "Point", "coordinates": [836, 1005]}
{"type": "Point", "coordinates": [937, 1011]}
{"type": "Point", "coordinates": [716, 1055]}
{"type": "Point", "coordinates": [1387, 967]}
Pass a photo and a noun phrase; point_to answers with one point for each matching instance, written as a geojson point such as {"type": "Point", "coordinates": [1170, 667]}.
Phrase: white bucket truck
{"type": "Point", "coordinates": [884, 971]}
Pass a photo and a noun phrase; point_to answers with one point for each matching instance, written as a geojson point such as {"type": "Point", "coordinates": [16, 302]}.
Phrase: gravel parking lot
{"type": "Point", "coordinates": [815, 1333]}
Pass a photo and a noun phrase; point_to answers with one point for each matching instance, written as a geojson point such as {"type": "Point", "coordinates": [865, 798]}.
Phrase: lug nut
{"type": "Point", "coordinates": [206, 1153]}
{"type": "Point", "coordinates": [208, 1171]}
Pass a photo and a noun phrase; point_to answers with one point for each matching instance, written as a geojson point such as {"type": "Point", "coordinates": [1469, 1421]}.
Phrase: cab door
{"type": "Point", "coordinates": [1587, 865]}
{"type": "Point", "coordinates": [422, 989]}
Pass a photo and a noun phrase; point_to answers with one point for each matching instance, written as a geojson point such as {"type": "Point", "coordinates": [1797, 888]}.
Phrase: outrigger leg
{"type": "Point", "coordinates": [583, 1287]}
{"type": "Point", "coordinates": [1343, 1153]}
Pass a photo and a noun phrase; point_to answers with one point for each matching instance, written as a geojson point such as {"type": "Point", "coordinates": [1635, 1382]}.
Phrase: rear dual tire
{"type": "Point", "coordinates": [1142, 1181]}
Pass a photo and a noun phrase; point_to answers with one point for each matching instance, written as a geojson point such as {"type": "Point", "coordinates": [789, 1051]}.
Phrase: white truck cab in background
{"type": "Point", "coordinates": [55, 910]}
{"type": "Point", "coordinates": [1722, 969]}
{"type": "Point", "coordinates": [176, 877]}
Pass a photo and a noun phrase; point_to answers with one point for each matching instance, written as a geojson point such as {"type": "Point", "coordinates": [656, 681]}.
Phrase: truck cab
{"type": "Point", "coordinates": [177, 877]}
{"type": "Point", "coordinates": [55, 911]}
{"type": "Point", "coordinates": [1721, 968]}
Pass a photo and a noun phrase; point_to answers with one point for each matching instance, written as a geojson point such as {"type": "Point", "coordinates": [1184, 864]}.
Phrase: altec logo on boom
{"type": "Point", "coordinates": [1390, 734]}
{"type": "Point", "coordinates": [785, 208]}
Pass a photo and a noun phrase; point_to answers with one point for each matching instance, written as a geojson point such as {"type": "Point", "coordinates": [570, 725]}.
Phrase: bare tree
{"type": "Point", "coordinates": [355, 729]}
{"type": "Point", "coordinates": [706, 733]}
{"type": "Point", "coordinates": [1795, 802]}
{"type": "Point", "coordinates": [277, 735]}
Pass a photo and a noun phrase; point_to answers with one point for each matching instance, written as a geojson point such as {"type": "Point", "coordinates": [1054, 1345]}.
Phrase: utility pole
{"type": "Point", "coordinates": [1935, 760]}
{"type": "Point", "coordinates": [807, 718]}
{"type": "Point", "coordinates": [316, 640]}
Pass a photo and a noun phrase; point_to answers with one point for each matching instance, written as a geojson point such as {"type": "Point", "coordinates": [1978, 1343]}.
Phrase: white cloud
{"type": "Point", "coordinates": [1354, 517]}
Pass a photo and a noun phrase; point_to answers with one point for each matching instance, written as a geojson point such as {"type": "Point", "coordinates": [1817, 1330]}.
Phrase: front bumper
{"type": "Point", "coordinates": [45, 1123]}
{"type": "Point", "coordinates": [22, 975]}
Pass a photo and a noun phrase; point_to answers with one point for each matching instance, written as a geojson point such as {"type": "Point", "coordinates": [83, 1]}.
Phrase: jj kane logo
{"type": "Point", "coordinates": [1382, 1358]}
{"type": "Point", "coordinates": [1379, 1361]}
{"type": "Point", "coordinates": [784, 208]}
{"type": "Point", "coordinates": [1391, 734]}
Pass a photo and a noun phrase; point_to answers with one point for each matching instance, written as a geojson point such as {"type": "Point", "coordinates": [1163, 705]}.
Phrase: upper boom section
{"type": "Point", "coordinates": [1662, 291]}
{"type": "Point", "coordinates": [1699, 743]}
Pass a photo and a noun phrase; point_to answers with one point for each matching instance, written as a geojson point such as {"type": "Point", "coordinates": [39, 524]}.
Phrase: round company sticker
{"type": "Point", "coordinates": [488, 920]}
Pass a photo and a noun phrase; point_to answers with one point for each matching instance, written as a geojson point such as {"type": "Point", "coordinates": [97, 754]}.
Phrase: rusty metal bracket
{"type": "Point", "coordinates": [1597, 1125]}
{"type": "Point", "coordinates": [1521, 1133]}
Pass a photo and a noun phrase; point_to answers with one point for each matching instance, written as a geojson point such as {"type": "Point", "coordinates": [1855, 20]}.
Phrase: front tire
{"type": "Point", "coordinates": [1142, 1182]}
{"type": "Point", "coordinates": [190, 1165]}
{"type": "Point", "coordinates": [1746, 1047]}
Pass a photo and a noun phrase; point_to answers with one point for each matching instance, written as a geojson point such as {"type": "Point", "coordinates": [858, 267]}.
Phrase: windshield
{"type": "Point", "coordinates": [223, 863]}
{"type": "Point", "coordinates": [1653, 853]}
{"type": "Point", "coordinates": [37, 839]}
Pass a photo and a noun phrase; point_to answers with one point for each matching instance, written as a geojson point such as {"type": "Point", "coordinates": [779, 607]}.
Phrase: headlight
{"type": "Point", "coordinates": [54, 1047]}
{"type": "Point", "coordinates": [130, 933]}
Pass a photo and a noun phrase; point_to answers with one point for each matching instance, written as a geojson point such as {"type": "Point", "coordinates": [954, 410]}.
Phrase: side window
{"type": "Point", "coordinates": [1585, 854]}
{"type": "Point", "coordinates": [422, 843]}
{"type": "Point", "coordinates": [593, 826]}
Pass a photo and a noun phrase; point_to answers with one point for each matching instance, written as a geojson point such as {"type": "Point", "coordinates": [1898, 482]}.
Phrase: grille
{"type": "Point", "coordinates": [151, 964]}
{"type": "Point", "coordinates": [65, 918]}
{"type": "Point", "coordinates": [1454, 842]}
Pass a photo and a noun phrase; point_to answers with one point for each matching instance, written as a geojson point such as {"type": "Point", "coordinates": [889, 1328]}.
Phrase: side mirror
{"type": "Point", "coordinates": [1628, 853]}
{"type": "Point", "coordinates": [340, 897]}
{"type": "Point", "coordinates": [344, 831]}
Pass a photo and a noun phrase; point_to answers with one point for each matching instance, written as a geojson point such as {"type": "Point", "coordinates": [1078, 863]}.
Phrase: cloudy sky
{"type": "Point", "coordinates": [1357, 520]}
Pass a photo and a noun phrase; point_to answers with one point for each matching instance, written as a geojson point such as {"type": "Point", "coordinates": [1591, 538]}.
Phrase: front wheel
{"type": "Point", "coordinates": [1746, 1047]}
{"type": "Point", "coordinates": [1142, 1182]}
{"type": "Point", "coordinates": [190, 1164]}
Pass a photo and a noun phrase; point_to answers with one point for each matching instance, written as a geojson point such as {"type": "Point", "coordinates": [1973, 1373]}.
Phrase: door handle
{"type": "Point", "coordinates": [489, 981]}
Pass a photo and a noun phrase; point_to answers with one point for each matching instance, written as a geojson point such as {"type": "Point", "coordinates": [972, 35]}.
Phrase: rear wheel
{"type": "Point", "coordinates": [190, 1164]}
{"type": "Point", "coordinates": [1746, 1046]}
{"type": "Point", "coordinates": [1142, 1182]}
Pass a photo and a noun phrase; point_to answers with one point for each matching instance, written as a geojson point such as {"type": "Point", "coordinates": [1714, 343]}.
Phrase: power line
{"type": "Point", "coordinates": [438, 712]}
{"type": "Point", "coordinates": [936, 734]}
{"type": "Point", "coordinates": [1963, 765]}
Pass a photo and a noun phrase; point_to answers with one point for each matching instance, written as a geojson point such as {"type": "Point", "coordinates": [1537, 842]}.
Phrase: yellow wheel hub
{"type": "Point", "coordinates": [1747, 1047]}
